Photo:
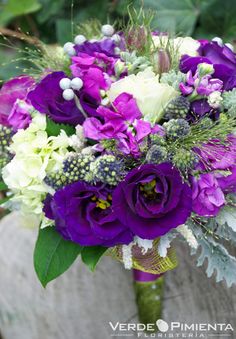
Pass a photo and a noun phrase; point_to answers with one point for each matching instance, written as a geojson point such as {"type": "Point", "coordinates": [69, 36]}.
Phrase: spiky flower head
{"type": "Point", "coordinates": [6, 135]}
{"type": "Point", "coordinates": [156, 155]}
{"type": "Point", "coordinates": [176, 128]}
{"type": "Point", "coordinates": [107, 169]}
{"type": "Point", "coordinates": [184, 159]}
{"type": "Point", "coordinates": [205, 123]}
{"type": "Point", "coordinates": [177, 108]}
{"type": "Point", "coordinates": [77, 167]}
{"type": "Point", "coordinates": [56, 180]}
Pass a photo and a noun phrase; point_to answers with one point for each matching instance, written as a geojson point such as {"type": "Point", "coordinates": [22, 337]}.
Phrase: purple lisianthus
{"type": "Point", "coordinates": [208, 196]}
{"type": "Point", "coordinates": [152, 199]}
{"type": "Point", "coordinates": [20, 117]}
{"type": "Point", "coordinates": [221, 57]}
{"type": "Point", "coordinates": [47, 98]}
{"type": "Point", "coordinates": [122, 123]}
{"type": "Point", "coordinates": [16, 88]}
{"type": "Point", "coordinates": [84, 214]}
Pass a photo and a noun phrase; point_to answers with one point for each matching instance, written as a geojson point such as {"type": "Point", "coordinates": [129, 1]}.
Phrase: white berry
{"type": "Point", "coordinates": [69, 48]}
{"type": "Point", "coordinates": [79, 39]}
{"type": "Point", "coordinates": [68, 94]}
{"type": "Point", "coordinates": [218, 40]}
{"type": "Point", "coordinates": [230, 46]}
{"type": "Point", "coordinates": [76, 84]}
{"type": "Point", "coordinates": [65, 83]}
{"type": "Point", "coordinates": [108, 30]}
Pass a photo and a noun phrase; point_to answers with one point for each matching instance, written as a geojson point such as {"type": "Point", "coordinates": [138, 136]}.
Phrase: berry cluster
{"type": "Point", "coordinates": [176, 128]}
{"type": "Point", "coordinates": [177, 108]}
{"type": "Point", "coordinates": [107, 169]}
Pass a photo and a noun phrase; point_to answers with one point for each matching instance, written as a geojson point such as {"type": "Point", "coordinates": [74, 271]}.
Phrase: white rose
{"type": "Point", "coordinates": [151, 95]}
{"type": "Point", "coordinates": [179, 45]}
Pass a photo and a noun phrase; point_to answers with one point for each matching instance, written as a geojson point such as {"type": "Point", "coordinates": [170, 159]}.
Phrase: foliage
{"type": "Point", "coordinates": [53, 255]}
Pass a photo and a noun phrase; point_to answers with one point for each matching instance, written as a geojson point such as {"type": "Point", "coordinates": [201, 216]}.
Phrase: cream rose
{"type": "Point", "coordinates": [151, 95]}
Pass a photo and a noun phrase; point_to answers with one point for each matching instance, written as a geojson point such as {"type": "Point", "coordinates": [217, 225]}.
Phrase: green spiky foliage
{"type": "Point", "coordinates": [134, 63]}
{"type": "Point", "coordinates": [138, 32]}
{"type": "Point", "coordinates": [91, 29]}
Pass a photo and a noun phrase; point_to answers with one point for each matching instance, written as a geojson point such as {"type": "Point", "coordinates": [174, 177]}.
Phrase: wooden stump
{"type": "Point", "coordinates": [80, 304]}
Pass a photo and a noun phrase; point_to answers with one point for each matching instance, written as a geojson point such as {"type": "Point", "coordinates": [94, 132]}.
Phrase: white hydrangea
{"type": "Point", "coordinates": [36, 155]}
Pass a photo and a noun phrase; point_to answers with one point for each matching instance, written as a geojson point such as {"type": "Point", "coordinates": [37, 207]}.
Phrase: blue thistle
{"type": "Point", "coordinates": [156, 155]}
{"type": "Point", "coordinates": [176, 128]}
{"type": "Point", "coordinates": [107, 169]}
{"type": "Point", "coordinates": [177, 108]}
{"type": "Point", "coordinates": [6, 135]}
{"type": "Point", "coordinates": [184, 159]}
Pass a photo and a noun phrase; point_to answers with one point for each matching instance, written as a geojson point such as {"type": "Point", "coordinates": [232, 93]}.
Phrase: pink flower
{"type": "Point", "coordinates": [16, 88]}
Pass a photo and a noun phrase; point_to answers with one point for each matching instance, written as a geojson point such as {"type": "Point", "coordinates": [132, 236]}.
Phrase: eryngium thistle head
{"type": "Point", "coordinates": [156, 155]}
{"type": "Point", "coordinates": [184, 159]}
{"type": "Point", "coordinates": [56, 180]}
{"type": "Point", "coordinates": [177, 108]}
{"type": "Point", "coordinates": [77, 167]}
{"type": "Point", "coordinates": [107, 169]}
{"type": "Point", "coordinates": [176, 128]}
{"type": "Point", "coordinates": [6, 134]}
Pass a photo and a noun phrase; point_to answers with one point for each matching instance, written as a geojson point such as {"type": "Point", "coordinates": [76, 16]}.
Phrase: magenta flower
{"type": "Point", "coordinates": [14, 89]}
{"type": "Point", "coordinates": [20, 117]}
{"type": "Point", "coordinates": [122, 123]}
{"type": "Point", "coordinates": [94, 71]}
{"type": "Point", "coordinates": [208, 196]}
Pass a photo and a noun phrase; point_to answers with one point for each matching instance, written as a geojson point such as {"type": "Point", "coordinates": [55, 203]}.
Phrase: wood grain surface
{"type": "Point", "coordinates": [80, 304]}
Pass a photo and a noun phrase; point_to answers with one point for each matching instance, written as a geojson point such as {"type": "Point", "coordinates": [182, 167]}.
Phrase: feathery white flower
{"type": "Point", "coordinates": [127, 256]}
{"type": "Point", "coordinates": [188, 235]}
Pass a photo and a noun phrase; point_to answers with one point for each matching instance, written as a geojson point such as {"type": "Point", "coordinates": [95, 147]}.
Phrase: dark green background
{"type": "Point", "coordinates": [50, 20]}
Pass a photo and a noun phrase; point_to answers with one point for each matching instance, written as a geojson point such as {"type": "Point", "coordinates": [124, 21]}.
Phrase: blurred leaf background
{"type": "Point", "coordinates": [51, 20]}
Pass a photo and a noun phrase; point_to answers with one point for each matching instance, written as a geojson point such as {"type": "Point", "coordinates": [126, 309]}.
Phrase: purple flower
{"type": "Point", "coordinates": [84, 214]}
{"type": "Point", "coordinates": [106, 46]}
{"type": "Point", "coordinates": [14, 89]}
{"type": "Point", "coordinates": [207, 196]}
{"type": "Point", "coordinates": [221, 57]}
{"type": "Point", "coordinates": [121, 123]}
{"type": "Point", "coordinates": [152, 199]}
{"type": "Point", "coordinates": [20, 117]}
{"type": "Point", "coordinates": [220, 158]}
{"type": "Point", "coordinates": [47, 99]}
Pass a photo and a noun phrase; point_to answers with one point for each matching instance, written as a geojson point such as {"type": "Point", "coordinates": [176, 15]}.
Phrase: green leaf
{"type": "Point", "coordinates": [91, 255]}
{"type": "Point", "coordinates": [3, 186]}
{"type": "Point", "coordinates": [227, 215]}
{"type": "Point", "coordinates": [13, 8]}
{"type": "Point", "coordinates": [53, 255]}
{"type": "Point", "coordinates": [54, 129]}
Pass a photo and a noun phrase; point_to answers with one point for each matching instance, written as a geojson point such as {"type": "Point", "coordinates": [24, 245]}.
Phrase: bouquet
{"type": "Point", "coordinates": [120, 142]}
